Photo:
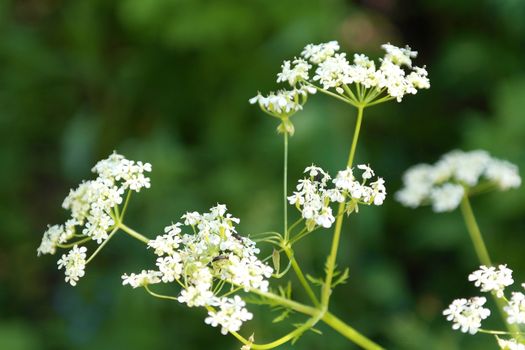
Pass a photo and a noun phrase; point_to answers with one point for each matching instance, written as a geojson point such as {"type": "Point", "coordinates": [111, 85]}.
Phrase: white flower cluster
{"type": "Point", "coordinates": [516, 308]}
{"type": "Point", "coordinates": [313, 197]}
{"type": "Point", "coordinates": [231, 314]}
{"type": "Point", "coordinates": [511, 344]}
{"type": "Point", "coordinates": [490, 279]}
{"type": "Point", "coordinates": [283, 102]}
{"type": "Point", "coordinates": [444, 183]}
{"type": "Point", "coordinates": [213, 254]}
{"type": "Point", "coordinates": [74, 263]}
{"type": "Point", "coordinates": [91, 206]}
{"type": "Point", "coordinates": [467, 315]}
{"type": "Point", "coordinates": [395, 74]}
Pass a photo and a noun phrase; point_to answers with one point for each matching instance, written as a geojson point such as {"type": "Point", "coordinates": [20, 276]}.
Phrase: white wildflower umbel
{"type": "Point", "coordinates": [492, 279]}
{"type": "Point", "coordinates": [93, 208]}
{"type": "Point", "coordinates": [516, 309]}
{"type": "Point", "coordinates": [466, 315]}
{"type": "Point", "coordinates": [457, 173]}
{"type": "Point", "coordinates": [360, 83]}
{"type": "Point", "coordinates": [313, 196]}
{"type": "Point", "coordinates": [283, 104]}
{"type": "Point", "coordinates": [363, 82]}
{"type": "Point", "coordinates": [203, 260]}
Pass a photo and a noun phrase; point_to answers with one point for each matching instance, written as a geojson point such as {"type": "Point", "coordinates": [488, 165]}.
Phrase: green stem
{"type": "Point", "coordinates": [349, 332]}
{"type": "Point", "coordinates": [125, 207]}
{"type": "Point", "coordinates": [380, 100]}
{"type": "Point", "coordinates": [133, 233]}
{"type": "Point", "coordinates": [294, 225]}
{"type": "Point", "coordinates": [160, 296]}
{"type": "Point", "coordinates": [304, 309]}
{"type": "Point", "coordinates": [356, 135]}
{"type": "Point", "coordinates": [327, 286]}
{"type": "Point", "coordinates": [301, 277]}
{"type": "Point", "coordinates": [72, 244]}
{"type": "Point", "coordinates": [482, 253]}
{"type": "Point", "coordinates": [486, 331]}
{"type": "Point", "coordinates": [295, 333]}
{"type": "Point", "coordinates": [102, 245]}
{"type": "Point", "coordinates": [475, 233]}
{"type": "Point", "coordinates": [329, 93]}
{"type": "Point", "coordinates": [285, 186]}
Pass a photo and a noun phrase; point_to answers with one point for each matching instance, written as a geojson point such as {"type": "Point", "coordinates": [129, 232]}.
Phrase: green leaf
{"type": "Point", "coordinates": [283, 316]}
{"type": "Point", "coordinates": [314, 280]}
{"type": "Point", "coordinates": [340, 278]}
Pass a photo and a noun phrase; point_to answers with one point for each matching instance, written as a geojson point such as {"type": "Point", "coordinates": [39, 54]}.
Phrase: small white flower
{"type": "Point", "coordinates": [516, 308]}
{"type": "Point", "coordinates": [74, 263]}
{"type": "Point", "coordinates": [325, 217]}
{"type": "Point", "coordinates": [490, 279]}
{"type": "Point", "coordinates": [319, 53]}
{"type": "Point", "coordinates": [54, 235]}
{"type": "Point", "coordinates": [446, 197]}
{"type": "Point", "coordinates": [504, 174]}
{"type": "Point", "coordinates": [167, 243]}
{"type": "Point", "coordinates": [171, 267]}
{"type": "Point", "coordinates": [195, 296]}
{"type": "Point", "coordinates": [467, 315]}
{"type": "Point", "coordinates": [192, 218]}
{"type": "Point", "coordinates": [368, 173]}
{"type": "Point", "coordinates": [283, 102]}
{"type": "Point", "coordinates": [333, 72]}
{"type": "Point", "coordinates": [399, 56]}
{"type": "Point", "coordinates": [345, 180]}
{"type": "Point", "coordinates": [230, 316]}
{"type": "Point", "coordinates": [293, 74]}
{"type": "Point", "coordinates": [510, 344]}
{"type": "Point", "coordinates": [144, 278]}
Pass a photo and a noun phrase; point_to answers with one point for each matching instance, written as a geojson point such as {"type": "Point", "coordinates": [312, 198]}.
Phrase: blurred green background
{"type": "Point", "coordinates": [167, 81]}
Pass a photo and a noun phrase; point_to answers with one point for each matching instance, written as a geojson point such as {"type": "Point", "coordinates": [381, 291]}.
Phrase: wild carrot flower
{"type": "Point", "coordinates": [444, 183]}
{"type": "Point", "coordinates": [314, 196]}
{"type": "Point", "coordinates": [466, 315]}
{"type": "Point", "coordinates": [92, 208]}
{"type": "Point", "coordinates": [203, 261]}
{"type": "Point", "coordinates": [492, 279]}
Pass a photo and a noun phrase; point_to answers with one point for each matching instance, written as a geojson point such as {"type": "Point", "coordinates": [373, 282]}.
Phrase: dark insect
{"type": "Point", "coordinates": [319, 177]}
{"type": "Point", "coordinates": [237, 237]}
{"type": "Point", "coordinates": [219, 258]}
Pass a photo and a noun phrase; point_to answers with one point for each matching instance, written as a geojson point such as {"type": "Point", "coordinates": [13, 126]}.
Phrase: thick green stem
{"type": "Point", "coordinates": [349, 332]}
{"type": "Point", "coordinates": [301, 277]}
{"type": "Point", "coordinates": [133, 233]}
{"type": "Point", "coordinates": [482, 253]}
{"type": "Point", "coordinates": [356, 135]}
{"type": "Point", "coordinates": [330, 266]}
{"type": "Point", "coordinates": [475, 233]}
{"type": "Point", "coordinates": [285, 186]}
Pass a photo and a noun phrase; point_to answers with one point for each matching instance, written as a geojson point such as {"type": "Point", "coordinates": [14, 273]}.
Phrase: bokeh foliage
{"type": "Point", "coordinates": [167, 81]}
